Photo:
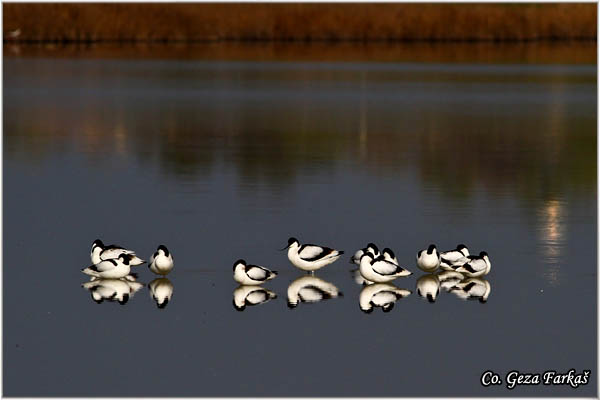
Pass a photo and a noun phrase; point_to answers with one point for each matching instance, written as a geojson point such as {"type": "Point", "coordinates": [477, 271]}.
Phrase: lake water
{"type": "Point", "coordinates": [222, 160]}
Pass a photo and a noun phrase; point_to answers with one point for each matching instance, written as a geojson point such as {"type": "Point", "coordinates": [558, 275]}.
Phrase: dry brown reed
{"type": "Point", "coordinates": [93, 22]}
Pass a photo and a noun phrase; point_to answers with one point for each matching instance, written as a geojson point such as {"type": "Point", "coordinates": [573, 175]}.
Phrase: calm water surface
{"type": "Point", "coordinates": [226, 160]}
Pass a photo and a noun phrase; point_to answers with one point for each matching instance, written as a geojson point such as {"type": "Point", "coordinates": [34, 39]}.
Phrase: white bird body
{"type": "Point", "coordinates": [476, 266]}
{"type": "Point", "coordinates": [447, 265]}
{"type": "Point", "coordinates": [161, 262]}
{"type": "Point", "coordinates": [120, 290]}
{"type": "Point", "coordinates": [455, 254]}
{"type": "Point", "coordinates": [100, 252]}
{"type": "Point", "coordinates": [310, 289]}
{"type": "Point", "coordinates": [310, 257]}
{"type": "Point", "coordinates": [473, 288]}
{"type": "Point", "coordinates": [355, 259]}
{"type": "Point", "coordinates": [428, 260]}
{"type": "Point", "coordinates": [245, 274]}
{"type": "Point", "coordinates": [114, 268]}
{"type": "Point", "coordinates": [370, 247]}
{"type": "Point", "coordinates": [161, 290]}
{"type": "Point", "coordinates": [379, 270]}
{"type": "Point", "coordinates": [428, 286]}
{"type": "Point", "coordinates": [382, 295]}
{"type": "Point", "coordinates": [251, 295]}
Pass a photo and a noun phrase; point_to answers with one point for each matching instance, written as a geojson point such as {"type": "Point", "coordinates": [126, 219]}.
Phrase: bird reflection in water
{"type": "Point", "coordinates": [472, 289]}
{"type": "Point", "coordinates": [161, 290]}
{"type": "Point", "coordinates": [382, 295]}
{"type": "Point", "coordinates": [250, 295]}
{"type": "Point", "coordinates": [428, 286]}
{"type": "Point", "coordinates": [310, 289]}
{"type": "Point", "coordinates": [114, 290]}
{"type": "Point", "coordinates": [358, 278]}
{"type": "Point", "coordinates": [448, 279]}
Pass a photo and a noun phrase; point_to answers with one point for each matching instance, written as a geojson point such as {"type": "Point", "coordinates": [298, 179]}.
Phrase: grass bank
{"type": "Point", "coordinates": [186, 22]}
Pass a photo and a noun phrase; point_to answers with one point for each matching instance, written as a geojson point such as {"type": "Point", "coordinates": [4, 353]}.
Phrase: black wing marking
{"type": "Point", "coordinates": [95, 266]}
{"type": "Point", "coordinates": [259, 273]}
{"type": "Point", "coordinates": [468, 267]}
{"type": "Point", "coordinates": [446, 261]}
{"type": "Point", "coordinates": [324, 251]}
{"type": "Point", "coordinates": [391, 267]}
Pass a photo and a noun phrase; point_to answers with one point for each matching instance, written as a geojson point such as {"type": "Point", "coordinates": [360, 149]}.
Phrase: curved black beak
{"type": "Point", "coordinates": [285, 248]}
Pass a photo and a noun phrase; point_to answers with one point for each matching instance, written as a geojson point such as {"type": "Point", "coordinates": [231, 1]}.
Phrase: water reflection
{"type": "Point", "coordinates": [428, 286]}
{"type": "Point", "coordinates": [382, 295]}
{"type": "Point", "coordinates": [272, 125]}
{"type": "Point", "coordinates": [448, 279]}
{"type": "Point", "coordinates": [310, 289]}
{"type": "Point", "coordinates": [472, 289]}
{"type": "Point", "coordinates": [249, 295]}
{"type": "Point", "coordinates": [161, 290]}
{"type": "Point", "coordinates": [114, 290]}
{"type": "Point", "coordinates": [357, 277]}
{"type": "Point", "coordinates": [552, 237]}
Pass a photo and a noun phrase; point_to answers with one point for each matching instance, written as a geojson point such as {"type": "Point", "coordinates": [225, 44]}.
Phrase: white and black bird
{"type": "Point", "coordinates": [388, 255]}
{"type": "Point", "coordinates": [251, 295]}
{"type": "Point", "coordinates": [379, 270]}
{"type": "Point", "coordinates": [448, 279]}
{"type": "Point", "coordinates": [119, 290]}
{"type": "Point", "coordinates": [101, 252]}
{"type": "Point", "coordinates": [428, 286]}
{"type": "Point", "coordinates": [310, 289]}
{"type": "Point", "coordinates": [450, 257]}
{"type": "Point", "coordinates": [476, 266]}
{"type": "Point", "coordinates": [472, 289]}
{"type": "Point", "coordinates": [245, 274]}
{"type": "Point", "coordinates": [310, 257]}
{"type": "Point", "coordinates": [161, 290]}
{"type": "Point", "coordinates": [161, 262]}
{"type": "Point", "coordinates": [370, 247]}
{"type": "Point", "coordinates": [113, 268]}
{"type": "Point", "coordinates": [382, 295]}
{"type": "Point", "coordinates": [447, 265]}
{"type": "Point", "coordinates": [428, 260]}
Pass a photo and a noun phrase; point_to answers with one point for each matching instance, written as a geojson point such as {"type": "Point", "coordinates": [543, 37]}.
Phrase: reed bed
{"type": "Point", "coordinates": [187, 22]}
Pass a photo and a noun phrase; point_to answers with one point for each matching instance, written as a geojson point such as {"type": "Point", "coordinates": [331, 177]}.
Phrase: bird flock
{"type": "Point", "coordinates": [455, 270]}
{"type": "Point", "coordinates": [111, 278]}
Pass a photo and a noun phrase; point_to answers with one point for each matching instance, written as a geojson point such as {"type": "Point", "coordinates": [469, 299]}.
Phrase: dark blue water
{"type": "Point", "coordinates": [226, 160]}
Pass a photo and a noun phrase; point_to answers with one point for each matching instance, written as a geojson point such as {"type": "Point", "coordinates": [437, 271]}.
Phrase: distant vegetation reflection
{"type": "Point", "coordinates": [474, 130]}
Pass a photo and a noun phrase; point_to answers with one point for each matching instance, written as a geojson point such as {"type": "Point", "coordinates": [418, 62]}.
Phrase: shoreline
{"type": "Point", "coordinates": [533, 52]}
